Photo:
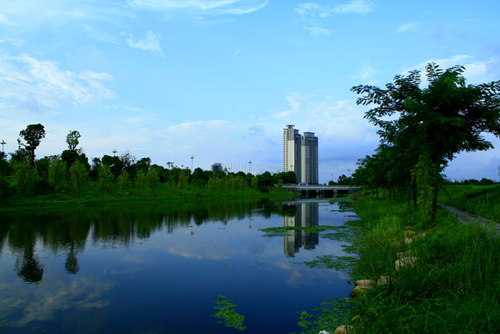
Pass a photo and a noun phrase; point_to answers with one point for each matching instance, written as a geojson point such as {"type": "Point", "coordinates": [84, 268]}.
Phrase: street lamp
{"type": "Point", "coordinates": [192, 163]}
{"type": "Point", "coordinates": [249, 166]}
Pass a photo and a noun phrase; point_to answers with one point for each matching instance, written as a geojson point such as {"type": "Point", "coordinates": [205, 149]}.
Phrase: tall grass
{"type": "Point", "coordinates": [454, 287]}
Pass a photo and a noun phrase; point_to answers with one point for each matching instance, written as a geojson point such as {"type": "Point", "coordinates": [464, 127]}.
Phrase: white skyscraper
{"type": "Point", "coordinates": [300, 154]}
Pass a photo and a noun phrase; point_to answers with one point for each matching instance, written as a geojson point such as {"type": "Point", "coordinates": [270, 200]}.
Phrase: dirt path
{"type": "Point", "coordinates": [468, 218]}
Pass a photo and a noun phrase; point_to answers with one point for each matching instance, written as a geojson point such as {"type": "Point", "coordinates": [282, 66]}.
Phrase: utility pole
{"type": "Point", "coordinates": [114, 152]}
{"type": "Point", "coordinates": [3, 143]}
{"type": "Point", "coordinates": [192, 163]}
{"type": "Point", "coordinates": [249, 166]}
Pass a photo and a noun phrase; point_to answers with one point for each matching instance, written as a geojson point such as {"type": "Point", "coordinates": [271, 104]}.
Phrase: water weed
{"type": "Point", "coordinates": [227, 312]}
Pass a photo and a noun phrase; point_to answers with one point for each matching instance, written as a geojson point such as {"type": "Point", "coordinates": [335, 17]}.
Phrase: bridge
{"type": "Point", "coordinates": [321, 190]}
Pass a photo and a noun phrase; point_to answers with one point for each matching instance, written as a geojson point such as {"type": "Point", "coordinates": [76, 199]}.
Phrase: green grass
{"type": "Point", "coordinates": [91, 195]}
{"type": "Point", "coordinates": [483, 201]}
{"type": "Point", "coordinates": [453, 288]}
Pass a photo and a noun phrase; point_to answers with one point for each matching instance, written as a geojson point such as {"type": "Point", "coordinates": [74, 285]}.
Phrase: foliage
{"type": "Point", "coordinates": [153, 179]}
{"type": "Point", "coordinates": [433, 124]}
{"type": "Point", "coordinates": [104, 179]}
{"type": "Point", "coordinates": [24, 176]}
{"type": "Point", "coordinates": [57, 173]}
{"type": "Point", "coordinates": [140, 181]}
{"type": "Point", "coordinates": [122, 182]}
{"type": "Point", "coordinates": [227, 312]}
{"type": "Point", "coordinates": [72, 139]}
{"type": "Point", "coordinates": [32, 136]}
{"type": "Point", "coordinates": [79, 176]}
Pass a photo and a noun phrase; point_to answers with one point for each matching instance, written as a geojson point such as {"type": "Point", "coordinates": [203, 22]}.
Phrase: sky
{"type": "Point", "coordinates": [219, 80]}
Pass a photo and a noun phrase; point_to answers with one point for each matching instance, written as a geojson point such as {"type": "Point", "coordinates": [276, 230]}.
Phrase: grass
{"type": "Point", "coordinates": [454, 287]}
{"type": "Point", "coordinates": [91, 195]}
{"type": "Point", "coordinates": [483, 201]}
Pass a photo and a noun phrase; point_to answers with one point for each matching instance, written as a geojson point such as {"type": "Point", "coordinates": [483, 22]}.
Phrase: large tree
{"type": "Point", "coordinates": [72, 139]}
{"type": "Point", "coordinates": [436, 122]}
{"type": "Point", "coordinates": [32, 136]}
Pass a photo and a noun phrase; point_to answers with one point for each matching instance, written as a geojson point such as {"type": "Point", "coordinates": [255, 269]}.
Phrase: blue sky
{"type": "Point", "coordinates": [220, 79]}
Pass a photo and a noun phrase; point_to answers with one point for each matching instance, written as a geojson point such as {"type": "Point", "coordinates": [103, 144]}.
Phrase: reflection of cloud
{"type": "Point", "coordinates": [41, 302]}
{"type": "Point", "coordinates": [201, 252]}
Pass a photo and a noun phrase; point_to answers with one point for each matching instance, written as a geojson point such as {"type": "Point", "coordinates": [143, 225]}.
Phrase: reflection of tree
{"type": "Point", "coordinates": [30, 270]}
{"type": "Point", "coordinates": [71, 264]}
{"type": "Point", "coordinates": [68, 230]}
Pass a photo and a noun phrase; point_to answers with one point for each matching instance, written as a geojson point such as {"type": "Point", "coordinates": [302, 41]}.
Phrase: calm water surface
{"type": "Point", "coordinates": [159, 268]}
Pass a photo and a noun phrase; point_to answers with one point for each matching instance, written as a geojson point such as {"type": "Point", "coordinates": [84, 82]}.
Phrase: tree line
{"type": "Point", "coordinates": [422, 129]}
{"type": "Point", "coordinates": [24, 175]}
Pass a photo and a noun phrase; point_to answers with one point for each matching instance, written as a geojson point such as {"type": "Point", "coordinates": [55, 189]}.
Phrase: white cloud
{"type": "Point", "coordinates": [13, 41]}
{"type": "Point", "coordinates": [150, 43]}
{"type": "Point", "coordinates": [354, 6]}
{"type": "Point", "coordinates": [366, 74]}
{"type": "Point", "coordinates": [238, 51]}
{"type": "Point", "coordinates": [99, 34]}
{"type": "Point", "coordinates": [41, 84]}
{"type": "Point", "coordinates": [406, 27]}
{"type": "Point", "coordinates": [314, 13]}
{"type": "Point", "coordinates": [317, 31]}
{"type": "Point", "coordinates": [5, 20]}
{"type": "Point", "coordinates": [202, 6]}
{"type": "Point", "coordinates": [476, 72]}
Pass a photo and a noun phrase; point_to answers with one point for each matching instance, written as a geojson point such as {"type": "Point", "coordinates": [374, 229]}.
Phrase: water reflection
{"type": "Point", "coordinates": [155, 268]}
{"type": "Point", "coordinates": [69, 231]}
{"type": "Point", "coordinates": [307, 215]}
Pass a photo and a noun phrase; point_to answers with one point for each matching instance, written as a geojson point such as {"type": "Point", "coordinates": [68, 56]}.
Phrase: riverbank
{"type": "Point", "coordinates": [430, 277]}
{"type": "Point", "coordinates": [92, 196]}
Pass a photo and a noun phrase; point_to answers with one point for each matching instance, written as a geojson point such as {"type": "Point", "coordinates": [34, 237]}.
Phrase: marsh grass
{"type": "Point", "coordinates": [454, 287]}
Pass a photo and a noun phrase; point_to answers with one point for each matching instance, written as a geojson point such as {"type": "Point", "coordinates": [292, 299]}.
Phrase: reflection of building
{"type": "Point", "coordinates": [216, 166]}
{"type": "Point", "coordinates": [307, 216]}
{"type": "Point", "coordinates": [300, 154]}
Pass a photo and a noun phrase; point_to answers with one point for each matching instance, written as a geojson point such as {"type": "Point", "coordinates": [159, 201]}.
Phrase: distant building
{"type": "Point", "coordinates": [291, 151]}
{"type": "Point", "coordinates": [300, 154]}
{"type": "Point", "coordinates": [216, 166]}
{"type": "Point", "coordinates": [309, 157]}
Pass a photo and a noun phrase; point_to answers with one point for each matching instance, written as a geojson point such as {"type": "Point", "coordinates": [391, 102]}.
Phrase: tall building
{"type": "Point", "coordinates": [300, 154]}
{"type": "Point", "coordinates": [216, 166]}
{"type": "Point", "coordinates": [291, 151]}
{"type": "Point", "coordinates": [309, 158]}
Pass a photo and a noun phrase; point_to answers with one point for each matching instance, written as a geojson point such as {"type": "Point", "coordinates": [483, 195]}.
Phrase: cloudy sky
{"type": "Point", "coordinates": [220, 79]}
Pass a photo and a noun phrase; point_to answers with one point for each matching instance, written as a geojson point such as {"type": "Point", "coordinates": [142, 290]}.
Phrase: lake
{"type": "Point", "coordinates": [160, 268]}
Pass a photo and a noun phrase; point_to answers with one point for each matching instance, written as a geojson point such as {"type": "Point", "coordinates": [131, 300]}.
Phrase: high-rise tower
{"type": "Point", "coordinates": [292, 151]}
{"type": "Point", "coordinates": [300, 154]}
{"type": "Point", "coordinates": [309, 158]}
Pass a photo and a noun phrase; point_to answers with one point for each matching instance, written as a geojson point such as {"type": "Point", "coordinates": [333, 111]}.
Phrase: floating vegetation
{"type": "Point", "coordinates": [331, 261]}
{"type": "Point", "coordinates": [228, 313]}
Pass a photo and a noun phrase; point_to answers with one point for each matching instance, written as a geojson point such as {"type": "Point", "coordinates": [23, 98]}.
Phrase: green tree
{"type": "Point", "coordinates": [255, 182]}
{"type": "Point", "coordinates": [57, 173]}
{"type": "Point", "coordinates": [140, 181]}
{"type": "Point", "coordinates": [153, 179]}
{"type": "Point", "coordinates": [122, 182]}
{"type": "Point", "coordinates": [79, 176]}
{"type": "Point", "coordinates": [439, 121]}
{"type": "Point", "coordinates": [24, 176]}
{"type": "Point", "coordinates": [32, 136]}
{"type": "Point", "coordinates": [105, 179]}
{"type": "Point", "coordinates": [72, 139]}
